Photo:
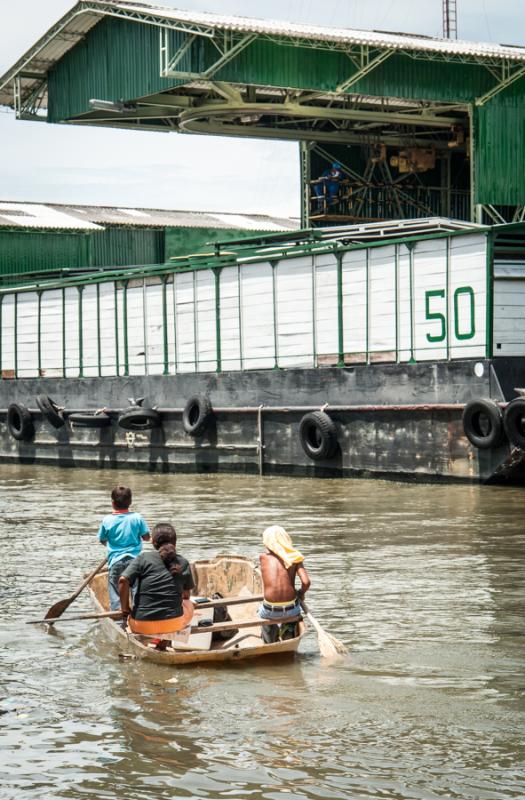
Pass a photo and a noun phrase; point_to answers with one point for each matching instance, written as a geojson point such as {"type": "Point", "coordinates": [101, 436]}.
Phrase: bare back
{"type": "Point", "coordinates": [278, 582]}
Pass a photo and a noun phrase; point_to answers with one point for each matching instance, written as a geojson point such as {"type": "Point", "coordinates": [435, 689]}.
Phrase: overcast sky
{"type": "Point", "coordinates": [64, 164]}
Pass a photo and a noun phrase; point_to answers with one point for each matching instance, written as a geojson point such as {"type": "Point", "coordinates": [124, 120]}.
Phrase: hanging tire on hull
{"type": "Point", "coordinates": [139, 419]}
{"type": "Point", "coordinates": [514, 422]}
{"type": "Point", "coordinates": [19, 422]}
{"type": "Point", "coordinates": [50, 410]}
{"type": "Point", "coordinates": [483, 424]}
{"type": "Point", "coordinates": [318, 436]}
{"type": "Point", "coordinates": [196, 415]}
{"type": "Point", "coordinates": [89, 420]}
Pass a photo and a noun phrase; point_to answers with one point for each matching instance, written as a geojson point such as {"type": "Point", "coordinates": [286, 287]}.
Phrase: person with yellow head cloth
{"type": "Point", "coordinates": [280, 565]}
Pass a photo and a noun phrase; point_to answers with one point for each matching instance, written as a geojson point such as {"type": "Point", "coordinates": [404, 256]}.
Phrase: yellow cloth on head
{"type": "Point", "coordinates": [279, 542]}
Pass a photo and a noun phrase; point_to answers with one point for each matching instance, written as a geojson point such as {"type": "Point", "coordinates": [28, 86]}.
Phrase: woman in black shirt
{"type": "Point", "coordinates": [164, 579]}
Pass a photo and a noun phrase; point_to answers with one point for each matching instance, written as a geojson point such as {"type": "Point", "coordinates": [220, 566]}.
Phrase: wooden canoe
{"type": "Point", "coordinates": [232, 576]}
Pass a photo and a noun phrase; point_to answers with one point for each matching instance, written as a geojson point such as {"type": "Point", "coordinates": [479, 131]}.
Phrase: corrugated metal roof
{"type": "Point", "coordinates": [52, 216]}
{"type": "Point", "coordinates": [36, 215]}
{"type": "Point", "coordinates": [83, 16]}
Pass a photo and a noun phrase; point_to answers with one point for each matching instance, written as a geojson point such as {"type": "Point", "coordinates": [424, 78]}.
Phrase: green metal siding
{"type": "Point", "coordinates": [117, 60]}
{"type": "Point", "coordinates": [119, 247]}
{"type": "Point", "coordinates": [185, 241]}
{"type": "Point", "coordinates": [400, 76]}
{"type": "Point", "coordinates": [500, 148]}
{"type": "Point", "coordinates": [28, 251]}
{"type": "Point", "coordinates": [120, 60]}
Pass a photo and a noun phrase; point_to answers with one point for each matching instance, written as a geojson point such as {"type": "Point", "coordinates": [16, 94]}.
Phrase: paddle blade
{"type": "Point", "coordinates": [330, 646]}
{"type": "Point", "coordinates": [58, 608]}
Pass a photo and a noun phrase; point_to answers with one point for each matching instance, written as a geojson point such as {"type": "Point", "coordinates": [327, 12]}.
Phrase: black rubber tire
{"type": "Point", "coordinates": [483, 424]}
{"type": "Point", "coordinates": [19, 422]}
{"type": "Point", "coordinates": [196, 415]}
{"type": "Point", "coordinates": [50, 410]}
{"type": "Point", "coordinates": [139, 419]}
{"type": "Point", "coordinates": [514, 422]}
{"type": "Point", "coordinates": [318, 436]}
{"type": "Point", "coordinates": [89, 420]}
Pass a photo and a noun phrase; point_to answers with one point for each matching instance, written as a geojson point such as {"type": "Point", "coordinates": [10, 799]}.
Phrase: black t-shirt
{"type": "Point", "coordinates": [159, 593]}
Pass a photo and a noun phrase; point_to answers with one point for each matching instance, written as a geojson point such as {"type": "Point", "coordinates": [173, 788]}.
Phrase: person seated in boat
{"type": "Point", "coordinates": [123, 531]}
{"type": "Point", "coordinates": [164, 581]}
{"type": "Point", "coordinates": [280, 565]}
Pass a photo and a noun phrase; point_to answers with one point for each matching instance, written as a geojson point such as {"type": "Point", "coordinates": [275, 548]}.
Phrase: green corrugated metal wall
{"type": "Point", "coordinates": [500, 150]}
{"type": "Point", "coordinates": [185, 241]}
{"type": "Point", "coordinates": [28, 251]}
{"type": "Point", "coordinates": [24, 251]}
{"type": "Point", "coordinates": [117, 60]}
{"type": "Point", "coordinates": [120, 60]}
{"type": "Point", "coordinates": [121, 247]}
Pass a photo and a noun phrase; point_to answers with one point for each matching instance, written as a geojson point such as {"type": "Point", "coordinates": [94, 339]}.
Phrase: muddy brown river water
{"type": "Point", "coordinates": [424, 583]}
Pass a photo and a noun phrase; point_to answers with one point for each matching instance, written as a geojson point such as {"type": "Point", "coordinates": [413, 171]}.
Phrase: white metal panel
{"type": "Point", "coordinates": [404, 304]}
{"type": "Point", "coordinates": [170, 322]}
{"type": "Point", "coordinates": [326, 310]}
{"type": "Point", "coordinates": [509, 317]}
{"type": "Point", "coordinates": [295, 312]}
{"type": "Point", "coordinates": [354, 304]}
{"type": "Point", "coordinates": [121, 349]}
{"type": "Point", "coordinates": [51, 333]}
{"type": "Point", "coordinates": [430, 303]}
{"type": "Point", "coordinates": [185, 321]}
{"type": "Point", "coordinates": [8, 334]}
{"type": "Point", "coordinates": [382, 302]}
{"type": "Point", "coordinates": [154, 329]}
{"type": "Point", "coordinates": [230, 319]}
{"type": "Point", "coordinates": [206, 321]}
{"type": "Point", "coordinates": [27, 335]}
{"type": "Point", "coordinates": [71, 320]}
{"type": "Point", "coordinates": [108, 359]}
{"type": "Point", "coordinates": [89, 331]}
{"type": "Point", "coordinates": [135, 320]}
{"type": "Point", "coordinates": [468, 296]}
{"type": "Point", "coordinates": [257, 316]}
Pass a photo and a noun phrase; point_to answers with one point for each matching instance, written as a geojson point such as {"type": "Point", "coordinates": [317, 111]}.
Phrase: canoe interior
{"type": "Point", "coordinates": [231, 576]}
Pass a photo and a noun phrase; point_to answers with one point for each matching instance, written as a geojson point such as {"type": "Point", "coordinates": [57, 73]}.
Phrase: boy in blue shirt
{"type": "Point", "coordinates": [123, 532]}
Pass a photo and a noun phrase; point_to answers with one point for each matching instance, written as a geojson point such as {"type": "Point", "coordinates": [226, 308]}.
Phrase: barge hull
{"type": "Point", "coordinates": [401, 421]}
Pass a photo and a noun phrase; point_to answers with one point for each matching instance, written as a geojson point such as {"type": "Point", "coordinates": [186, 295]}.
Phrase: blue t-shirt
{"type": "Point", "coordinates": [122, 532]}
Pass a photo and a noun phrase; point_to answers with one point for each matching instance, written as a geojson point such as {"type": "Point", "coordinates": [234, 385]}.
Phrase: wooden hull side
{"type": "Point", "coordinates": [233, 572]}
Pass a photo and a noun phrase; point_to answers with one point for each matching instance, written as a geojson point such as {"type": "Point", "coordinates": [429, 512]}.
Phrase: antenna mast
{"type": "Point", "coordinates": [450, 19]}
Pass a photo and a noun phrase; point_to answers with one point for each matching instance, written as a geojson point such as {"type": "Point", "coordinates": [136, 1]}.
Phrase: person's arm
{"type": "Point", "coordinates": [123, 590]}
{"type": "Point", "coordinates": [187, 582]}
{"type": "Point", "coordinates": [144, 532]}
{"type": "Point", "coordinates": [102, 534]}
{"type": "Point", "coordinates": [303, 576]}
{"type": "Point", "coordinates": [127, 579]}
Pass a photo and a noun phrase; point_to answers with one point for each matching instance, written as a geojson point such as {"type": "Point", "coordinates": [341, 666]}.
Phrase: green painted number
{"type": "Point", "coordinates": [468, 318]}
{"type": "Point", "coordinates": [469, 334]}
{"type": "Point", "coordinates": [435, 315]}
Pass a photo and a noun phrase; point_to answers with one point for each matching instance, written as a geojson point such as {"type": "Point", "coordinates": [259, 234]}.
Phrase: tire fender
{"type": "Point", "coordinates": [514, 422]}
{"type": "Point", "coordinates": [19, 422]}
{"type": "Point", "coordinates": [483, 423]}
{"type": "Point", "coordinates": [101, 420]}
{"type": "Point", "coordinates": [50, 410]}
{"type": "Point", "coordinates": [196, 415]}
{"type": "Point", "coordinates": [318, 435]}
{"type": "Point", "coordinates": [139, 419]}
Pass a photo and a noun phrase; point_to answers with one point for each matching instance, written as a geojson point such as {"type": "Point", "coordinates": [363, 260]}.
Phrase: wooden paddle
{"type": "Point", "coordinates": [57, 609]}
{"type": "Point", "coordinates": [329, 646]}
{"type": "Point", "coordinates": [219, 626]}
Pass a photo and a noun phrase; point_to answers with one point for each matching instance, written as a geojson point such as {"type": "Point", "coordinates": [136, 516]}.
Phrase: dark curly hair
{"type": "Point", "coordinates": [164, 539]}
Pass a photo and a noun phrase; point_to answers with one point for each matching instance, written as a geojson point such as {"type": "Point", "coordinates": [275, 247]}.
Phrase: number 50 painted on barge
{"type": "Point", "coordinates": [392, 349]}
